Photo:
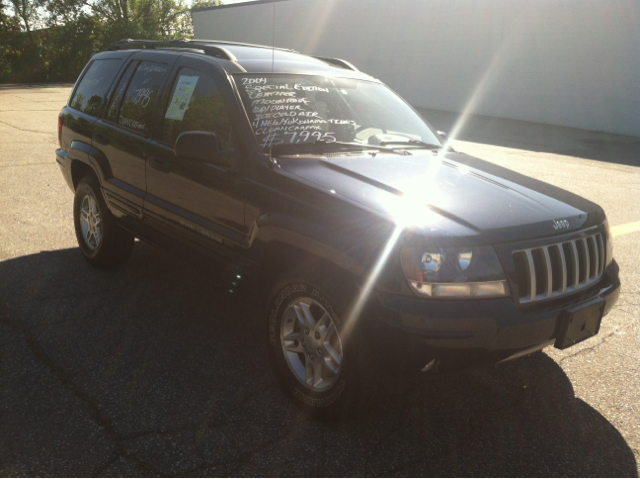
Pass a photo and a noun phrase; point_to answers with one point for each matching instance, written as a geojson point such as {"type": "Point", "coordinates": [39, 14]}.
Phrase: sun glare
{"type": "Point", "coordinates": [363, 297]}
{"type": "Point", "coordinates": [517, 34]}
{"type": "Point", "coordinates": [409, 210]}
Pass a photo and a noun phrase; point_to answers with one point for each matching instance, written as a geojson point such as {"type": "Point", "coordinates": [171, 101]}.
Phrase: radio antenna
{"type": "Point", "coordinates": [273, 61]}
{"type": "Point", "coordinates": [273, 38]}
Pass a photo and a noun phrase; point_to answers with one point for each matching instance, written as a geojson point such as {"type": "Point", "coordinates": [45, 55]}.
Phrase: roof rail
{"type": "Point", "coordinates": [339, 63]}
{"type": "Point", "coordinates": [241, 44]}
{"type": "Point", "coordinates": [208, 47]}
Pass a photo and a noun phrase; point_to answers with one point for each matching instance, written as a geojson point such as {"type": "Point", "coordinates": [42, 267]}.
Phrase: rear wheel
{"type": "Point", "coordinates": [318, 360]}
{"type": "Point", "coordinates": [102, 241]}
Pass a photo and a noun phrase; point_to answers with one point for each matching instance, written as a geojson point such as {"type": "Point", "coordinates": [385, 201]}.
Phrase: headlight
{"type": "Point", "coordinates": [608, 244]}
{"type": "Point", "coordinates": [454, 272]}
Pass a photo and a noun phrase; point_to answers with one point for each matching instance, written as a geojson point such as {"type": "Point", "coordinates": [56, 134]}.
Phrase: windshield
{"type": "Point", "coordinates": [289, 109]}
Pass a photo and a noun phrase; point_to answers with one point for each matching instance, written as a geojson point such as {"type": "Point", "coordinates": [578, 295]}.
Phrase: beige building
{"type": "Point", "coordinates": [563, 62]}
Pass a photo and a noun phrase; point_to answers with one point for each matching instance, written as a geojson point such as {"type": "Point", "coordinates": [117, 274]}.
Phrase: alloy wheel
{"type": "Point", "coordinates": [90, 222]}
{"type": "Point", "coordinates": [311, 344]}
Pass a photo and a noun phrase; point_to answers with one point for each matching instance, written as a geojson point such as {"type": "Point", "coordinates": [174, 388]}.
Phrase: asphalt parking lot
{"type": "Point", "coordinates": [151, 369]}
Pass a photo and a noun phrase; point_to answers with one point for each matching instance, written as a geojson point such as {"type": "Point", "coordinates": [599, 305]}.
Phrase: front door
{"type": "Point", "coordinates": [199, 203]}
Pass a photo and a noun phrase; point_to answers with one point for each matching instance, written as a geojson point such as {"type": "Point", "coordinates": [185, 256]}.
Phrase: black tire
{"type": "Point", "coordinates": [110, 246]}
{"type": "Point", "coordinates": [353, 383]}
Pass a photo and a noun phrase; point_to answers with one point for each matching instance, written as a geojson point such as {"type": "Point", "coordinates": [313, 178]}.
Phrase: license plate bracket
{"type": "Point", "coordinates": [579, 323]}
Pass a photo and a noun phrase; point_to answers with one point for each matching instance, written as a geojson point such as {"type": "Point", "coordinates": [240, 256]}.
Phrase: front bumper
{"type": "Point", "coordinates": [463, 333]}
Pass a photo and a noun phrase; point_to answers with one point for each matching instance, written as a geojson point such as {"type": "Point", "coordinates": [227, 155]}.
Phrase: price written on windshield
{"type": "Point", "coordinates": [304, 136]}
{"type": "Point", "coordinates": [289, 111]}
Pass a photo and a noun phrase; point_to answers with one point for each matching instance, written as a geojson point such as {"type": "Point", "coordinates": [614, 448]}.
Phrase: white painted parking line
{"type": "Point", "coordinates": [625, 229]}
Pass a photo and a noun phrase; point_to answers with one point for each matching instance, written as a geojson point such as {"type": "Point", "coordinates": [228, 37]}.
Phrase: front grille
{"type": "Point", "coordinates": [560, 268]}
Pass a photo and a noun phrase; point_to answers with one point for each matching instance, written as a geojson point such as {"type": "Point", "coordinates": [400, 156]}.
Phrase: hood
{"type": "Point", "coordinates": [453, 194]}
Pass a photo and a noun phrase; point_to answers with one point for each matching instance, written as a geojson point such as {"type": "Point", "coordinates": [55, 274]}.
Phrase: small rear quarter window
{"type": "Point", "coordinates": [91, 93]}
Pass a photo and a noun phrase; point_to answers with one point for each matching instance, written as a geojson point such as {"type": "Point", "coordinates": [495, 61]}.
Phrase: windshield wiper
{"type": "Point", "coordinates": [322, 144]}
{"type": "Point", "coordinates": [412, 142]}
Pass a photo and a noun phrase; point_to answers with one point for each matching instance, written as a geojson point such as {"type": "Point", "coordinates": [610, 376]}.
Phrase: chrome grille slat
{"type": "Point", "coordinates": [576, 265]}
{"type": "Point", "coordinates": [563, 261]}
{"type": "Point", "coordinates": [601, 251]}
{"type": "Point", "coordinates": [593, 248]}
{"type": "Point", "coordinates": [587, 265]}
{"type": "Point", "coordinates": [549, 272]}
{"type": "Point", "coordinates": [532, 275]}
{"type": "Point", "coordinates": [596, 261]}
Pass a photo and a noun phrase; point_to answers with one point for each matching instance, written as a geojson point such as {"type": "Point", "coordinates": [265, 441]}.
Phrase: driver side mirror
{"type": "Point", "coordinates": [202, 146]}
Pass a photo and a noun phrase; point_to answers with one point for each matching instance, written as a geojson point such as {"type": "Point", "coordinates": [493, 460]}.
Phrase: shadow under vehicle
{"type": "Point", "coordinates": [153, 369]}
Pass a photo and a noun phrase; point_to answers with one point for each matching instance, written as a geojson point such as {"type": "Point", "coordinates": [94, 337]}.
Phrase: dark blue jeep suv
{"type": "Point", "coordinates": [308, 180]}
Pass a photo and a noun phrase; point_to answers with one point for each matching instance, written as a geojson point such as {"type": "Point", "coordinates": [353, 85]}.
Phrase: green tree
{"type": "Point", "coordinates": [76, 29]}
{"type": "Point", "coordinates": [9, 28]}
{"type": "Point", "coordinates": [63, 12]}
{"type": "Point", "coordinates": [27, 11]}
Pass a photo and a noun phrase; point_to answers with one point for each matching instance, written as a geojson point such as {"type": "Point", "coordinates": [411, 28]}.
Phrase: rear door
{"type": "Point", "coordinates": [198, 203]}
{"type": "Point", "coordinates": [121, 138]}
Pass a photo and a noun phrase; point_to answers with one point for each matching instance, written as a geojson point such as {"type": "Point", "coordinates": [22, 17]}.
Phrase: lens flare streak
{"type": "Point", "coordinates": [365, 293]}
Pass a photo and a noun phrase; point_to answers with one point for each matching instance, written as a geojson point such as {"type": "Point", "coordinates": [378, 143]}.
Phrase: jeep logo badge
{"type": "Point", "coordinates": [560, 224]}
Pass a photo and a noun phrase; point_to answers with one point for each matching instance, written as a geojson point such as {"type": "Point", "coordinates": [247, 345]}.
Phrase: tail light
{"type": "Point", "coordinates": [60, 123]}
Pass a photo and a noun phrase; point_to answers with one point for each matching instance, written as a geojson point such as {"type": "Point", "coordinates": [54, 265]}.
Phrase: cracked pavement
{"type": "Point", "coordinates": [151, 369]}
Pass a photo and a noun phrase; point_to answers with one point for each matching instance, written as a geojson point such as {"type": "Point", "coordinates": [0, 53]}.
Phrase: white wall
{"type": "Point", "coordinates": [563, 62]}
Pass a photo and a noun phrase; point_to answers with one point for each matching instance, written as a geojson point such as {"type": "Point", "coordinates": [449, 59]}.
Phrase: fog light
{"type": "Point", "coordinates": [485, 289]}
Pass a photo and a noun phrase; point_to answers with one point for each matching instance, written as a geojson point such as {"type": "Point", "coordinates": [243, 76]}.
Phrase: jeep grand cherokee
{"type": "Point", "coordinates": [308, 179]}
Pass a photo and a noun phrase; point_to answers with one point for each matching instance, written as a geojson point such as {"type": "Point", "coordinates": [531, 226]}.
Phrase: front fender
{"type": "Point", "coordinates": [353, 247]}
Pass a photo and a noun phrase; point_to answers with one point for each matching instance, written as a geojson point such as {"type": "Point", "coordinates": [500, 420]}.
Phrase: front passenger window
{"type": "Point", "coordinates": [195, 104]}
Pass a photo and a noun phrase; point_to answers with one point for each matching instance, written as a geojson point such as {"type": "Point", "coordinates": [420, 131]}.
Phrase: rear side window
{"type": "Point", "coordinates": [91, 94]}
{"type": "Point", "coordinates": [116, 99]}
{"type": "Point", "coordinates": [195, 104]}
{"type": "Point", "coordinates": [137, 106]}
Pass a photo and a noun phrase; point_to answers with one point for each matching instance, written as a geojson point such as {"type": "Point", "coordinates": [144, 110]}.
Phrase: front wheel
{"type": "Point", "coordinates": [101, 239]}
{"type": "Point", "coordinates": [319, 366]}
